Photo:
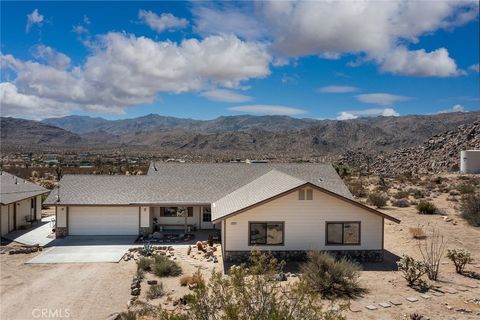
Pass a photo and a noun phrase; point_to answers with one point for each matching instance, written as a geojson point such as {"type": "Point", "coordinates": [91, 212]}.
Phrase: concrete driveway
{"type": "Point", "coordinates": [83, 249]}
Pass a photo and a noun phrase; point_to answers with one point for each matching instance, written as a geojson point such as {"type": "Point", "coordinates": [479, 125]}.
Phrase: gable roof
{"type": "Point", "coordinates": [184, 183]}
{"type": "Point", "coordinates": [13, 188]}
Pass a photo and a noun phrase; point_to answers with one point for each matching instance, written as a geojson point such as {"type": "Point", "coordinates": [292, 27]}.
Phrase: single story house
{"type": "Point", "coordinates": [20, 202]}
{"type": "Point", "coordinates": [288, 209]}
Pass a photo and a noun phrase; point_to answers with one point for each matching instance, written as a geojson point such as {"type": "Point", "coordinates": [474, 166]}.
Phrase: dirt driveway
{"type": "Point", "coordinates": [62, 291]}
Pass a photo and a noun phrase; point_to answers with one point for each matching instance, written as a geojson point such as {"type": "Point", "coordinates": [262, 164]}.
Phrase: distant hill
{"type": "Point", "coordinates": [278, 137]}
{"type": "Point", "coordinates": [27, 132]}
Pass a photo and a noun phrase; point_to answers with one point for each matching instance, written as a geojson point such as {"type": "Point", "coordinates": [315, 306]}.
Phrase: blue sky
{"type": "Point", "coordinates": [205, 59]}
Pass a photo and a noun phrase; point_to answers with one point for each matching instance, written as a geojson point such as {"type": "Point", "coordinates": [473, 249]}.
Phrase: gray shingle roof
{"type": "Point", "coordinates": [13, 188]}
{"type": "Point", "coordinates": [185, 183]}
{"type": "Point", "coordinates": [265, 187]}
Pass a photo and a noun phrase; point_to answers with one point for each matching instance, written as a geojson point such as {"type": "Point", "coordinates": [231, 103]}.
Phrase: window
{"type": "Point", "coordinates": [266, 233]}
{"type": "Point", "coordinates": [172, 211]}
{"type": "Point", "coordinates": [305, 194]}
{"type": "Point", "coordinates": [343, 233]}
{"type": "Point", "coordinates": [207, 214]}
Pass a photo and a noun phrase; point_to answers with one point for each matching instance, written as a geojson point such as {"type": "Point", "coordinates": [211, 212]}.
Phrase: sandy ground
{"type": "Point", "coordinates": [73, 291]}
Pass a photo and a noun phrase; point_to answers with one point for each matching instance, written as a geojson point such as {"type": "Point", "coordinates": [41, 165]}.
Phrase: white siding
{"type": "Point", "coordinates": [23, 211]}
{"type": "Point", "coordinates": [61, 217]}
{"type": "Point", "coordinates": [38, 214]}
{"type": "Point", "coordinates": [144, 217]}
{"type": "Point", "coordinates": [304, 223]}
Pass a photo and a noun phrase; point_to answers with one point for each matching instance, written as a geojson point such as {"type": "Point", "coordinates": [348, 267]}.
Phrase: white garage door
{"type": "Point", "coordinates": [103, 220]}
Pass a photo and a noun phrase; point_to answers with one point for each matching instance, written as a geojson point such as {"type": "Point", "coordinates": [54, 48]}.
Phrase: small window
{"type": "Point", "coordinates": [301, 194]}
{"type": "Point", "coordinates": [173, 211]}
{"type": "Point", "coordinates": [207, 214]}
{"type": "Point", "coordinates": [343, 233]}
{"type": "Point", "coordinates": [266, 233]}
{"type": "Point", "coordinates": [309, 194]}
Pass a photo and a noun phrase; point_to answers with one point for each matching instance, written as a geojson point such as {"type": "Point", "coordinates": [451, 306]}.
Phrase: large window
{"type": "Point", "coordinates": [173, 211]}
{"type": "Point", "coordinates": [207, 214]}
{"type": "Point", "coordinates": [266, 233]}
{"type": "Point", "coordinates": [343, 233]}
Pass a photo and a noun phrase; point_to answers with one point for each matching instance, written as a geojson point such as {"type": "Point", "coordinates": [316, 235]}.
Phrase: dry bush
{"type": "Point", "coordinates": [418, 232]}
{"type": "Point", "coordinates": [155, 291]}
{"type": "Point", "coordinates": [402, 194]}
{"type": "Point", "coordinates": [412, 269]}
{"type": "Point", "coordinates": [401, 203]}
{"type": "Point", "coordinates": [465, 188]}
{"type": "Point", "coordinates": [357, 188]}
{"type": "Point", "coordinates": [432, 250]}
{"type": "Point", "coordinates": [425, 207]}
{"type": "Point", "coordinates": [377, 199]}
{"type": "Point", "coordinates": [471, 209]}
{"type": "Point", "coordinates": [194, 279]}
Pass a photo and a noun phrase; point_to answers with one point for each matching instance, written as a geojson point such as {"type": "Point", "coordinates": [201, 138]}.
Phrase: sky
{"type": "Point", "coordinates": [308, 59]}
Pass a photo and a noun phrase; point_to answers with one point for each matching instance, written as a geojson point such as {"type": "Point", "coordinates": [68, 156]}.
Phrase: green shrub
{"type": "Point", "coordinates": [465, 188]}
{"type": "Point", "coordinates": [155, 291]}
{"type": "Point", "coordinates": [460, 259]}
{"type": "Point", "coordinates": [144, 264]}
{"type": "Point", "coordinates": [425, 207]}
{"type": "Point", "coordinates": [330, 277]}
{"type": "Point", "coordinates": [412, 269]}
{"type": "Point", "coordinates": [417, 193]}
{"type": "Point", "coordinates": [401, 203]}
{"type": "Point", "coordinates": [164, 267]}
{"type": "Point", "coordinates": [471, 209]}
{"type": "Point", "coordinates": [377, 199]}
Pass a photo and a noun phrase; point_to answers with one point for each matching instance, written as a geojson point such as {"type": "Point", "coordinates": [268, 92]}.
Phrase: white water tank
{"type": "Point", "coordinates": [470, 161]}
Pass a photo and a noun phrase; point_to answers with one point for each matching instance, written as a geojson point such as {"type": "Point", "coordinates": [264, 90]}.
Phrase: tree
{"type": "Point", "coordinates": [432, 250]}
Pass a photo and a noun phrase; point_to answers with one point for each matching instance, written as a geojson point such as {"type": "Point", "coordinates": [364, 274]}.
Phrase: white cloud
{"type": "Point", "coordinates": [79, 29]}
{"type": "Point", "coordinates": [125, 70]}
{"type": "Point", "coordinates": [386, 112]}
{"type": "Point", "coordinates": [420, 63]}
{"type": "Point", "coordinates": [370, 29]}
{"type": "Point", "coordinates": [455, 108]}
{"type": "Point", "coordinates": [166, 21]}
{"type": "Point", "coordinates": [52, 57]}
{"type": "Point", "coordinates": [34, 18]}
{"type": "Point", "coordinates": [223, 95]}
{"type": "Point", "coordinates": [474, 67]}
{"type": "Point", "coordinates": [337, 89]}
{"type": "Point", "coordinates": [384, 99]}
{"type": "Point", "coordinates": [268, 109]}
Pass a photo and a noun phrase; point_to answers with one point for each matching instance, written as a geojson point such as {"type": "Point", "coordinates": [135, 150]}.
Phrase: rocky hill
{"type": "Point", "coordinates": [440, 153]}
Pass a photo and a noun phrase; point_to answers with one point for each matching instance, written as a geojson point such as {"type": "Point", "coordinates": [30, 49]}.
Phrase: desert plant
{"type": "Point", "coordinates": [465, 188]}
{"type": "Point", "coordinates": [401, 203]}
{"type": "Point", "coordinates": [194, 279]}
{"type": "Point", "coordinates": [331, 277]}
{"type": "Point", "coordinates": [416, 316]}
{"type": "Point", "coordinates": [412, 269]}
{"type": "Point", "coordinates": [401, 194]}
{"type": "Point", "coordinates": [155, 291]}
{"type": "Point", "coordinates": [144, 264]}
{"type": "Point", "coordinates": [460, 259]}
{"type": "Point", "coordinates": [377, 199]}
{"type": "Point", "coordinates": [417, 193]}
{"type": "Point", "coordinates": [164, 267]}
{"type": "Point", "coordinates": [147, 249]}
{"type": "Point", "coordinates": [425, 207]}
{"type": "Point", "coordinates": [432, 250]}
{"type": "Point", "coordinates": [199, 245]}
{"type": "Point", "coordinates": [417, 233]}
{"type": "Point", "coordinates": [357, 189]}
{"type": "Point", "coordinates": [471, 209]}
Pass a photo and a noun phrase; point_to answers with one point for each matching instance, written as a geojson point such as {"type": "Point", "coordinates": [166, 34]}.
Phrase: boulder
{"type": "Point", "coordinates": [152, 282]}
{"type": "Point", "coordinates": [135, 292]}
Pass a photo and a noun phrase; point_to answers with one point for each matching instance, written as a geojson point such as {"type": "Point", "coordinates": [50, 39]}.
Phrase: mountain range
{"type": "Point", "coordinates": [230, 136]}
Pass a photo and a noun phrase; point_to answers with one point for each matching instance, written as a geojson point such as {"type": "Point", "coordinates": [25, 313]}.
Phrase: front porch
{"type": "Point", "coordinates": [178, 237]}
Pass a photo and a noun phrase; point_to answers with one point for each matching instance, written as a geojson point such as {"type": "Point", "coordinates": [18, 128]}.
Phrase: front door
{"type": "Point", "coordinates": [206, 216]}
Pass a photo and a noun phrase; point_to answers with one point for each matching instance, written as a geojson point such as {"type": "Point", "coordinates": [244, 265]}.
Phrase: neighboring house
{"type": "Point", "coordinates": [21, 202]}
{"type": "Point", "coordinates": [284, 208]}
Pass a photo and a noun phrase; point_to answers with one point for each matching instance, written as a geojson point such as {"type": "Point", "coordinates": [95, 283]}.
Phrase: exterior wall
{"type": "Point", "coordinates": [61, 229]}
{"type": "Point", "coordinates": [11, 216]}
{"type": "Point", "coordinates": [23, 212]}
{"type": "Point", "coordinates": [146, 226]}
{"type": "Point", "coordinates": [304, 224]}
{"type": "Point", "coordinates": [38, 213]}
{"type": "Point", "coordinates": [470, 161]}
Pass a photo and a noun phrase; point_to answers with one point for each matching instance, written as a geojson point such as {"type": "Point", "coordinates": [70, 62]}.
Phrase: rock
{"type": "Point", "coordinates": [280, 277]}
{"type": "Point", "coordinates": [135, 285]}
{"type": "Point", "coordinates": [157, 235]}
{"type": "Point", "coordinates": [152, 282]}
{"type": "Point", "coordinates": [114, 316]}
{"type": "Point", "coordinates": [135, 292]}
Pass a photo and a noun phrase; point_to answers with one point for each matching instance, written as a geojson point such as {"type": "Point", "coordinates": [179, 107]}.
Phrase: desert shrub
{"type": "Point", "coordinates": [471, 209]}
{"type": "Point", "coordinates": [164, 267]}
{"type": "Point", "coordinates": [331, 277]}
{"type": "Point", "coordinates": [416, 316]}
{"type": "Point", "coordinates": [196, 279]}
{"type": "Point", "coordinates": [418, 233]}
{"type": "Point", "coordinates": [417, 193]}
{"type": "Point", "coordinates": [425, 207]}
{"type": "Point", "coordinates": [144, 264]}
{"type": "Point", "coordinates": [412, 269]}
{"type": "Point", "coordinates": [401, 194]}
{"type": "Point", "coordinates": [377, 199]}
{"type": "Point", "coordinates": [432, 250]}
{"type": "Point", "coordinates": [342, 170]}
{"type": "Point", "coordinates": [401, 203]}
{"type": "Point", "coordinates": [140, 273]}
{"type": "Point", "coordinates": [460, 259]}
{"type": "Point", "coordinates": [155, 291]}
{"type": "Point", "coordinates": [357, 189]}
{"type": "Point", "coordinates": [127, 315]}
{"type": "Point", "coordinates": [465, 188]}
